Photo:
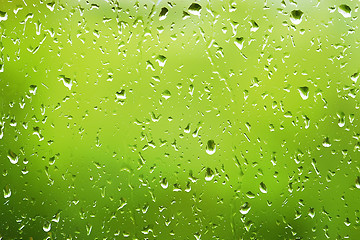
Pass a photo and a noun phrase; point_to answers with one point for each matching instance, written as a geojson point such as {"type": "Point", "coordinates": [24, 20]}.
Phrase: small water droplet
{"type": "Point", "coordinates": [13, 157]}
{"type": "Point", "coordinates": [32, 89]}
{"type": "Point", "coordinates": [263, 187]}
{"type": "Point", "coordinates": [47, 226]}
{"type": "Point", "coordinates": [210, 147]}
{"type": "Point", "coordinates": [357, 182]}
{"type": "Point", "coordinates": [239, 42]}
{"type": "Point", "coordinates": [341, 121]}
{"type": "Point", "coordinates": [355, 77]}
{"type": "Point", "coordinates": [245, 208]}
{"type": "Point", "coordinates": [296, 16]}
{"type": "Point", "coordinates": [7, 191]}
{"type": "Point", "coordinates": [120, 96]}
{"type": "Point", "coordinates": [311, 213]}
{"type": "Point", "coordinates": [166, 94]}
{"type": "Point", "coordinates": [88, 229]}
{"type": "Point", "coordinates": [66, 81]}
{"type": "Point", "coordinates": [345, 10]}
{"type": "Point", "coordinates": [326, 142]}
{"type": "Point", "coordinates": [164, 183]}
{"type": "Point", "coordinates": [254, 26]}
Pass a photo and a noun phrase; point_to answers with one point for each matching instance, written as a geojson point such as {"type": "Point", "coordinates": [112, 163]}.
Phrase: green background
{"type": "Point", "coordinates": [107, 109]}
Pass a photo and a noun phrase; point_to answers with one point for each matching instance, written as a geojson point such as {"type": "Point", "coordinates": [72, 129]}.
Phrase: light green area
{"type": "Point", "coordinates": [179, 120]}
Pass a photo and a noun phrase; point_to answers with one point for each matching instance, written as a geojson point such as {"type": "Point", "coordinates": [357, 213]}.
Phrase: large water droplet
{"type": "Point", "coordinates": [3, 16]}
{"type": "Point", "coordinates": [345, 10]}
{"type": "Point", "coordinates": [195, 9]}
{"type": "Point", "coordinates": [164, 11]}
{"type": "Point", "coordinates": [304, 92]}
{"type": "Point", "coordinates": [296, 16]}
{"type": "Point", "coordinates": [166, 94]}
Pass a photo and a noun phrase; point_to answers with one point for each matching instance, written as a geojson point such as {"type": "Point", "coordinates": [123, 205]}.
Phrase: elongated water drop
{"type": "Point", "coordinates": [210, 147]}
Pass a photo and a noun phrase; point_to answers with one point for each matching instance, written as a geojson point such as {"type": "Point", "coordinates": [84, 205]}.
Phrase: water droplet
{"type": "Point", "coordinates": [210, 147]}
{"type": "Point", "coordinates": [209, 175]}
{"type": "Point", "coordinates": [47, 226]}
{"type": "Point", "coordinates": [166, 94]}
{"type": "Point", "coordinates": [120, 96]}
{"type": "Point", "coordinates": [326, 142]}
{"type": "Point", "coordinates": [296, 16]}
{"type": "Point", "coordinates": [66, 81]}
{"type": "Point", "coordinates": [164, 183]}
{"type": "Point", "coordinates": [50, 6]}
{"type": "Point", "coordinates": [341, 121]}
{"type": "Point", "coordinates": [347, 222]}
{"type": "Point", "coordinates": [3, 16]}
{"type": "Point", "coordinates": [161, 60]}
{"type": "Point", "coordinates": [254, 26]}
{"type": "Point", "coordinates": [13, 157]}
{"type": "Point", "coordinates": [263, 188]}
{"type": "Point", "coordinates": [195, 9]}
{"type": "Point", "coordinates": [88, 229]}
{"type": "Point", "coordinates": [32, 89]}
{"type": "Point", "coordinates": [345, 10]}
{"type": "Point", "coordinates": [357, 182]}
{"type": "Point", "coordinates": [164, 11]}
{"type": "Point", "coordinates": [245, 208]}
{"type": "Point", "coordinates": [7, 191]}
{"type": "Point", "coordinates": [355, 77]}
{"type": "Point", "coordinates": [304, 92]}
{"type": "Point", "coordinates": [311, 213]}
{"type": "Point", "coordinates": [239, 42]}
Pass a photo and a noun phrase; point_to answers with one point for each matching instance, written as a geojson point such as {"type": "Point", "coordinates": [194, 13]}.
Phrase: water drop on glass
{"type": "Point", "coordinates": [47, 226]}
{"type": "Point", "coordinates": [304, 92]}
{"type": "Point", "coordinates": [345, 10]}
{"type": "Point", "coordinates": [195, 9]}
{"type": "Point", "coordinates": [164, 11]}
{"type": "Point", "coordinates": [296, 16]}
{"type": "Point", "coordinates": [210, 147]}
{"type": "Point", "coordinates": [209, 175]}
{"type": "Point", "coordinates": [166, 94]}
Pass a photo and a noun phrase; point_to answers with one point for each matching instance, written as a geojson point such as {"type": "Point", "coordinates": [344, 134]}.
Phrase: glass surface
{"type": "Point", "coordinates": [125, 119]}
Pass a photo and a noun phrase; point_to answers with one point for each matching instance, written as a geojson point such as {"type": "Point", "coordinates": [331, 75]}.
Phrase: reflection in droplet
{"type": "Point", "coordinates": [47, 226]}
{"type": "Point", "coordinates": [195, 9]}
{"type": "Point", "coordinates": [296, 16]}
{"type": "Point", "coordinates": [304, 92]}
{"type": "Point", "coordinates": [210, 147]}
{"type": "Point", "coordinates": [245, 208]}
{"type": "Point", "coordinates": [164, 11]}
{"type": "Point", "coordinates": [209, 175]}
{"type": "Point", "coordinates": [345, 10]}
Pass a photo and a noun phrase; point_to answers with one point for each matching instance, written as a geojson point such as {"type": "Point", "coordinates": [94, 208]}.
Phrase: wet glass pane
{"type": "Point", "coordinates": [179, 119]}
